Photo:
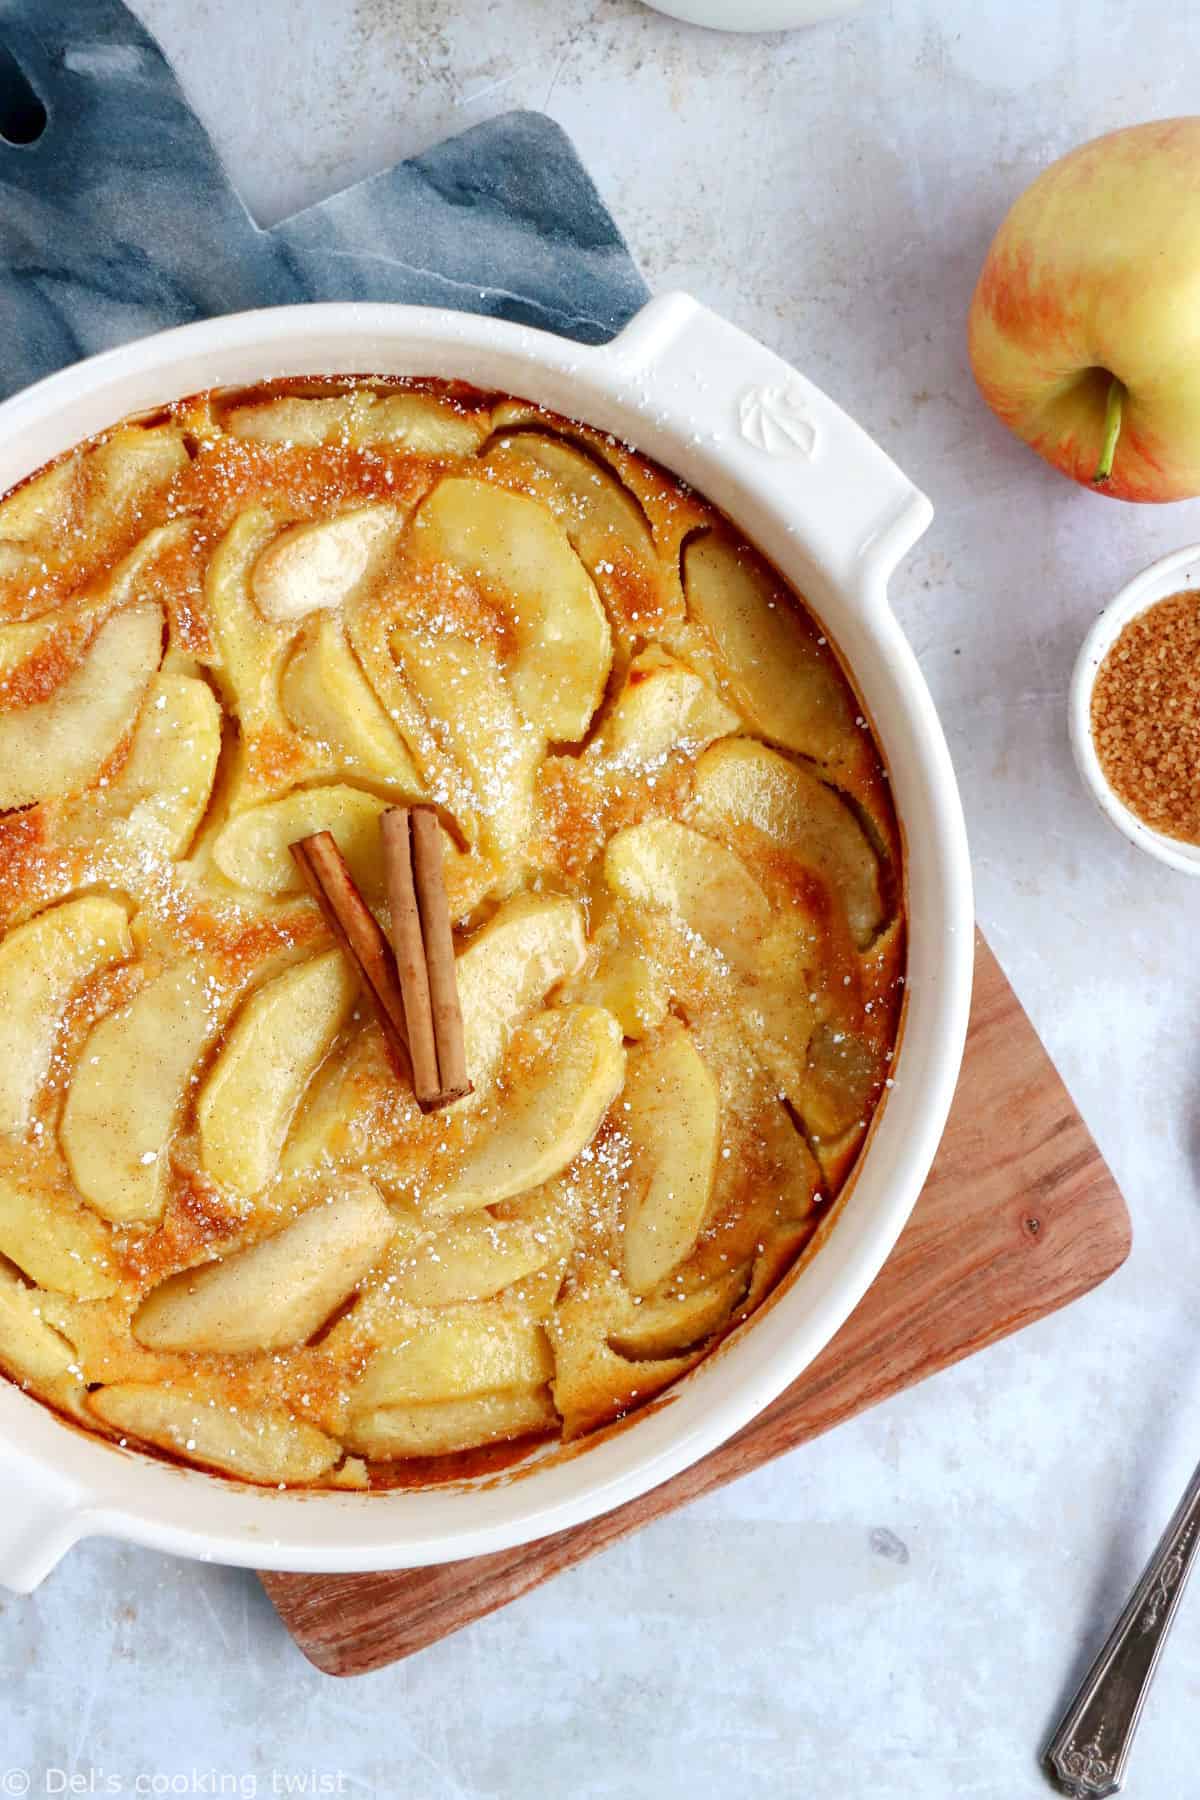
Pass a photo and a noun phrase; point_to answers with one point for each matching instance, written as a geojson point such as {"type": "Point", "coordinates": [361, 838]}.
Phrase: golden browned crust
{"type": "Point", "coordinates": [720, 830]}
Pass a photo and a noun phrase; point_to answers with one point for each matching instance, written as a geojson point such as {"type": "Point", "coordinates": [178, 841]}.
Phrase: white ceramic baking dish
{"type": "Point", "coordinates": [835, 515]}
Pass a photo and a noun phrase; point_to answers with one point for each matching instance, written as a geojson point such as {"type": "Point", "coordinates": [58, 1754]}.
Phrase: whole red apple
{"type": "Point", "coordinates": [1084, 330]}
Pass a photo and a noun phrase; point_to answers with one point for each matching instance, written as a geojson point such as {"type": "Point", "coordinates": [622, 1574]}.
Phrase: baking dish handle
{"type": "Point", "coordinates": [41, 1517]}
{"type": "Point", "coordinates": [782, 436]}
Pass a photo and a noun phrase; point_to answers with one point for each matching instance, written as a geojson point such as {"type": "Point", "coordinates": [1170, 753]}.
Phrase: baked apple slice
{"type": "Point", "coordinates": [518, 553]}
{"type": "Point", "coordinates": [262, 581]}
{"type": "Point", "coordinates": [672, 1114]}
{"type": "Point", "coordinates": [39, 650]}
{"type": "Point", "coordinates": [509, 966]}
{"type": "Point", "coordinates": [462, 687]}
{"type": "Point", "coordinates": [16, 560]}
{"type": "Point", "coordinates": [246, 646]}
{"type": "Point", "coordinates": [276, 1044]}
{"type": "Point", "coordinates": [30, 1349]}
{"type": "Point", "coordinates": [316, 566]}
{"type": "Point", "coordinates": [410, 420]}
{"type": "Point", "coordinates": [835, 1095]}
{"type": "Point", "coordinates": [155, 802]}
{"type": "Point", "coordinates": [252, 850]}
{"type": "Point", "coordinates": [422, 423]}
{"type": "Point", "coordinates": [593, 1382]}
{"type": "Point", "coordinates": [262, 1444]}
{"type": "Point", "coordinates": [678, 1321]}
{"type": "Point", "coordinates": [741, 782]}
{"type": "Point", "coordinates": [40, 510]}
{"type": "Point", "coordinates": [372, 626]}
{"type": "Point", "coordinates": [53, 1240]}
{"type": "Point", "coordinates": [122, 477]}
{"type": "Point", "coordinates": [129, 1090]}
{"type": "Point", "coordinates": [335, 1121]}
{"type": "Point", "coordinates": [781, 1011]}
{"type": "Point", "coordinates": [326, 695]}
{"type": "Point", "coordinates": [94, 497]}
{"type": "Point", "coordinates": [278, 1292]}
{"type": "Point", "coordinates": [440, 1427]}
{"type": "Point", "coordinates": [472, 1349]}
{"type": "Point", "coordinates": [474, 1257]}
{"type": "Point", "coordinates": [663, 706]}
{"type": "Point", "coordinates": [766, 653]}
{"type": "Point", "coordinates": [162, 788]}
{"type": "Point", "coordinates": [249, 652]}
{"type": "Point", "coordinates": [58, 745]}
{"type": "Point", "coordinates": [563, 1072]}
{"type": "Point", "coordinates": [34, 651]}
{"type": "Point", "coordinates": [702, 884]}
{"type": "Point", "coordinates": [467, 1375]}
{"type": "Point", "coordinates": [301, 419]}
{"type": "Point", "coordinates": [603, 519]}
{"type": "Point", "coordinates": [623, 979]}
{"type": "Point", "coordinates": [41, 965]}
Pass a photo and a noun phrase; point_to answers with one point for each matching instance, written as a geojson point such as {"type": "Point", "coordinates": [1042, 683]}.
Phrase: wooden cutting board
{"type": "Point", "coordinates": [1019, 1216]}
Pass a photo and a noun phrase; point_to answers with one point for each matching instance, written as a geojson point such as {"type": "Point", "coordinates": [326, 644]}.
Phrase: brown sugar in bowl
{"type": "Point", "coordinates": [1135, 711]}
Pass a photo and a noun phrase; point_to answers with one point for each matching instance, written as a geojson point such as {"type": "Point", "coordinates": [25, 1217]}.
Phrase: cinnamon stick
{"type": "Point", "coordinates": [424, 947]}
{"type": "Point", "coordinates": [409, 948]}
{"type": "Point", "coordinates": [439, 951]}
{"type": "Point", "coordinates": [354, 926]}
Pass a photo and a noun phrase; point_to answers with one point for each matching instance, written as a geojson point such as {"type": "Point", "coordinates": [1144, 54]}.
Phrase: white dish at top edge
{"type": "Point", "coordinates": [753, 15]}
{"type": "Point", "coordinates": [1170, 575]}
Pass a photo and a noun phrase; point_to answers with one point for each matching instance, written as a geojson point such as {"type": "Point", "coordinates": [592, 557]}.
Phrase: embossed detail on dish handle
{"type": "Point", "coordinates": [774, 418]}
{"type": "Point", "coordinates": [738, 413]}
{"type": "Point", "coordinates": [1088, 1753]}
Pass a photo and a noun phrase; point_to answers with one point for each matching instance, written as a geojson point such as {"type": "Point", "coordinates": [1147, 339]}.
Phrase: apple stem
{"type": "Point", "coordinates": [1113, 409]}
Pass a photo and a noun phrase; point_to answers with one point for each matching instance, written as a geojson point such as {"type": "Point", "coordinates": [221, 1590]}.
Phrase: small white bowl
{"type": "Point", "coordinates": [753, 15]}
{"type": "Point", "coordinates": [1170, 575]}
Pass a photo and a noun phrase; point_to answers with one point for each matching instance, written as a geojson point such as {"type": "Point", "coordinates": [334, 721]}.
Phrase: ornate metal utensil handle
{"type": "Point", "coordinates": [1088, 1753]}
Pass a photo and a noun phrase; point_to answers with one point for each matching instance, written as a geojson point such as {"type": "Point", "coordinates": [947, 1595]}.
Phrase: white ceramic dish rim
{"type": "Point", "coordinates": [754, 15]}
{"type": "Point", "coordinates": [836, 515]}
{"type": "Point", "coordinates": [1169, 575]}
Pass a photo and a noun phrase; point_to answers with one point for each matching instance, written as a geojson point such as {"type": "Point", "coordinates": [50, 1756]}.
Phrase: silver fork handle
{"type": "Point", "coordinates": [1088, 1753]}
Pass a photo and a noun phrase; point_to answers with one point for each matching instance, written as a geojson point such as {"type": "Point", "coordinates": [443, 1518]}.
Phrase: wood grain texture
{"type": "Point", "coordinates": [1019, 1216]}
